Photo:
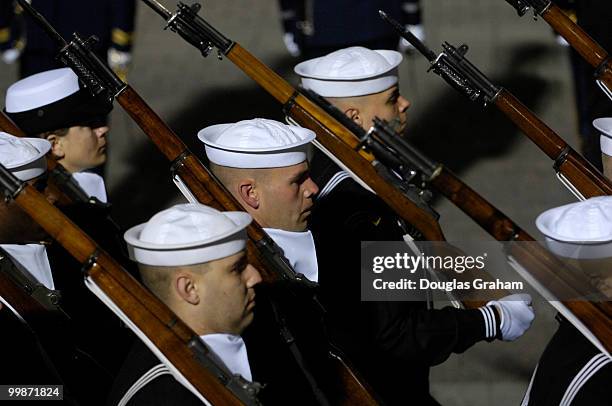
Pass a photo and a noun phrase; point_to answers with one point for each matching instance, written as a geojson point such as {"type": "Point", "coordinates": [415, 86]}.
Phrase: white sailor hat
{"type": "Point", "coordinates": [581, 230]}
{"type": "Point", "coordinates": [52, 100]}
{"type": "Point", "coordinates": [354, 71]}
{"type": "Point", "coordinates": [605, 126]}
{"type": "Point", "coordinates": [187, 234]}
{"type": "Point", "coordinates": [256, 143]}
{"type": "Point", "coordinates": [24, 157]}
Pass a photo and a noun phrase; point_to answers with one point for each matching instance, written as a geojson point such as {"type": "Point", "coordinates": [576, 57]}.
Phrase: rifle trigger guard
{"type": "Point", "coordinates": [90, 262]}
{"type": "Point", "coordinates": [290, 103]}
{"type": "Point", "coordinates": [561, 158]}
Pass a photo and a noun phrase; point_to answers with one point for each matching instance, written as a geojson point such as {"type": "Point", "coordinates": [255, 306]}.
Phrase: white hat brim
{"type": "Point", "coordinates": [196, 252]}
{"type": "Point", "coordinates": [350, 86]}
{"type": "Point", "coordinates": [604, 125]}
{"type": "Point", "coordinates": [38, 163]}
{"type": "Point", "coordinates": [587, 248]}
{"type": "Point", "coordinates": [252, 158]}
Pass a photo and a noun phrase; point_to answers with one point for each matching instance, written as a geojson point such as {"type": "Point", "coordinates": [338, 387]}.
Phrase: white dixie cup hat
{"type": "Point", "coordinates": [187, 234]}
{"type": "Point", "coordinates": [581, 230]}
{"type": "Point", "coordinates": [349, 72]}
{"type": "Point", "coordinates": [24, 157]}
{"type": "Point", "coordinates": [256, 143]}
{"type": "Point", "coordinates": [605, 126]}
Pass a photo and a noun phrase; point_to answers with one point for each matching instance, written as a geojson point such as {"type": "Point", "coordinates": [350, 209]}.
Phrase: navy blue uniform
{"type": "Point", "coordinates": [112, 21]}
{"type": "Point", "coordinates": [393, 344]}
{"type": "Point", "coordinates": [321, 27]}
{"type": "Point", "coordinates": [572, 371]}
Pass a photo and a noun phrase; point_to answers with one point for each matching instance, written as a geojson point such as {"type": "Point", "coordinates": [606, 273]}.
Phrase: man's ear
{"type": "Point", "coordinates": [186, 289]}
{"type": "Point", "coordinates": [248, 193]}
{"type": "Point", "coordinates": [354, 115]}
{"type": "Point", "coordinates": [57, 148]}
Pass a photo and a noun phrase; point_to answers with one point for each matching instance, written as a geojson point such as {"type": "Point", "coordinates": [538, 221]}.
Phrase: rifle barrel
{"type": "Point", "coordinates": [408, 36]}
{"type": "Point", "coordinates": [42, 21]}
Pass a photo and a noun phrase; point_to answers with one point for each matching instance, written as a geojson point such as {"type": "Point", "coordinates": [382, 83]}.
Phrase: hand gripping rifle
{"type": "Point", "coordinates": [542, 268]}
{"type": "Point", "coordinates": [575, 172]}
{"type": "Point", "coordinates": [203, 187]}
{"type": "Point", "coordinates": [334, 137]}
{"type": "Point", "coordinates": [139, 308]}
{"type": "Point", "coordinates": [586, 46]}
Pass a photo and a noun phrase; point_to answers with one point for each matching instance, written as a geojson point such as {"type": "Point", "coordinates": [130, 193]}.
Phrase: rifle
{"type": "Point", "coordinates": [593, 53]}
{"type": "Point", "coordinates": [331, 135]}
{"type": "Point", "coordinates": [176, 342]}
{"type": "Point", "coordinates": [575, 172]}
{"type": "Point", "coordinates": [185, 167]}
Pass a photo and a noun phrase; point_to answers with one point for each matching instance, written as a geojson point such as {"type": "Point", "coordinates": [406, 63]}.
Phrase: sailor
{"type": "Point", "coordinates": [73, 357]}
{"type": "Point", "coordinates": [25, 158]}
{"type": "Point", "coordinates": [53, 105]}
{"type": "Point", "coordinates": [20, 244]}
{"type": "Point", "coordinates": [403, 339]}
{"type": "Point", "coordinates": [572, 370]}
{"type": "Point", "coordinates": [193, 258]}
{"type": "Point", "coordinates": [604, 125]}
{"type": "Point", "coordinates": [263, 165]}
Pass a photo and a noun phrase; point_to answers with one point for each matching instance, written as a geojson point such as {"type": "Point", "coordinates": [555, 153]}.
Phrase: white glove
{"type": "Point", "coordinates": [516, 315]}
{"type": "Point", "coordinates": [10, 55]}
{"type": "Point", "coordinates": [291, 45]}
{"type": "Point", "coordinates": [119, 62]}
{"type": "Point", "coordinates": [418, 31]}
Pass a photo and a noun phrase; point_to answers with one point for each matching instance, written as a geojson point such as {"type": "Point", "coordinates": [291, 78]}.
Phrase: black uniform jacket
{"type": "Point", "coordinates": [154, 386]}
{"type": "Point", "coordinates": [392, 343]}
{"type": "Point", "coordinates": [270, 358]}
{"type": "Point", "coordinates": [572, 371]}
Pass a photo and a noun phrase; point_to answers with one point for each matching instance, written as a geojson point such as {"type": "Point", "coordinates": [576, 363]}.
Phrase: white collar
{"type": "Point", "coordinates": [92, 184]}
{"type": "Point", "coordinates": [299, 249]}
{"type": "Point", "coordinates": [232, 350]}
{"type": "Point", "coordinates": [33, 257]}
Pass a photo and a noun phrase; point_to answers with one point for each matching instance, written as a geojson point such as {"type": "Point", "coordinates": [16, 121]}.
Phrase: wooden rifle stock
{"type": "Point", "coordinates": [171, 336]}
{"type": "Point", "coordinates": [582, 174]}
{"type": "Point", "coordinates": [7, 125]}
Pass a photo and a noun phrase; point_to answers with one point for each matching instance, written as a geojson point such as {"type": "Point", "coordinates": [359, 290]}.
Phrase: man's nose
{"type": "Point", "coordinates": [251, 276]}
{"type": "Point", "coordinates": [311, 187]}
{"type": "Point", "coordinates": [403, 104]}
{"type": "Point", "coordinates": [101, 131]}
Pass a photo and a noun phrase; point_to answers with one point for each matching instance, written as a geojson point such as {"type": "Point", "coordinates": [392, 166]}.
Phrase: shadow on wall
{"type": "Point", "coordinates": [149, 186]}
{"type": "Point", "coordinates": [457, 132]}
